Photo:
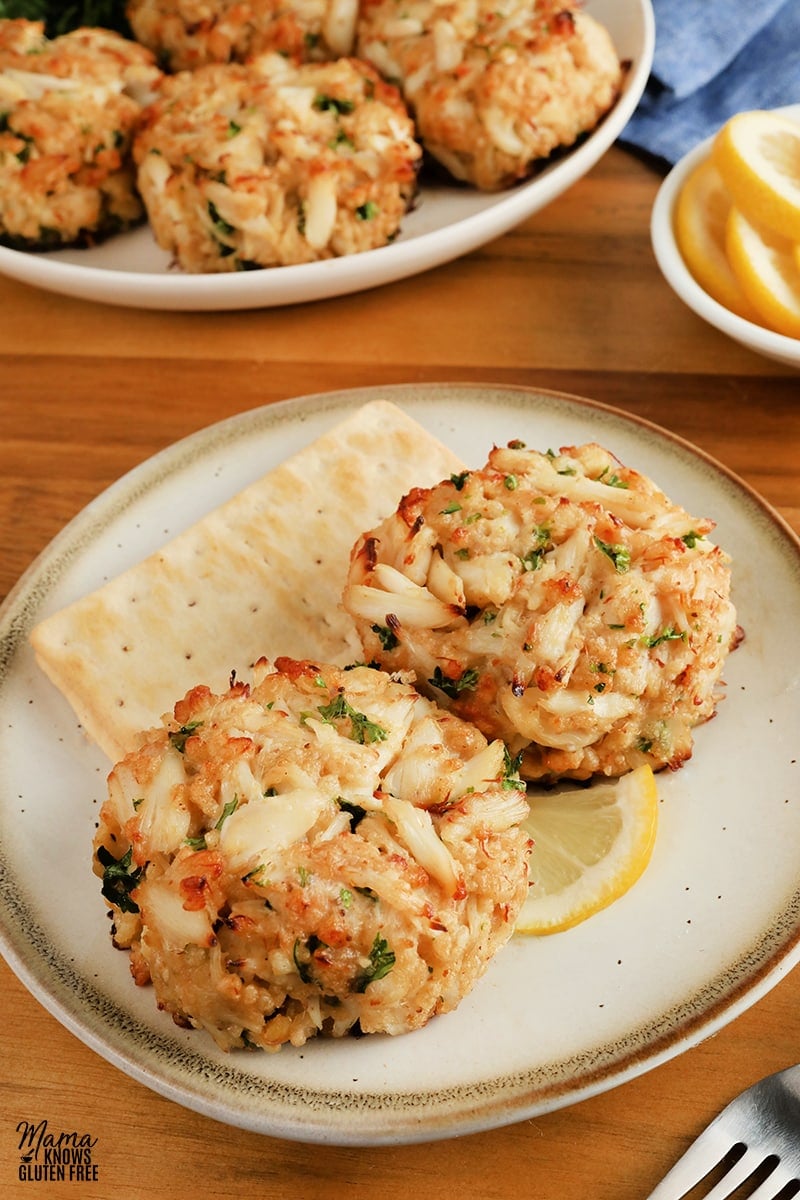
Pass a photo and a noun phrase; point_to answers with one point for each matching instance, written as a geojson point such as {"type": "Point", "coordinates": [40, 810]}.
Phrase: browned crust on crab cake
{"type": "Point", "coordinates": [275, 163]}
{"type": "Point", "coordinates": [494, 90]}
{"type": "Point", "coordinates": [559, 600]}
{"type": "Point", "coordinates": [320, 852]}
{"type": "Point", "coordinates": [70, 107]}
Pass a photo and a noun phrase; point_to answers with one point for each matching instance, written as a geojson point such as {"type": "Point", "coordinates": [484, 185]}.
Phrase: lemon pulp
{"type": "Point", "coordinates": [591, 844]}
{"type": "Point", "coordinates": [701, 216]}
{"type": "Point", "coordinates": [766, 266]}
{"type": "Point", "coordinates": [758, 156]}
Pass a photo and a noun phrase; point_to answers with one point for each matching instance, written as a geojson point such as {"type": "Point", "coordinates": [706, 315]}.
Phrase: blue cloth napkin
{"type": "Point", "coordinates": [714, 58]}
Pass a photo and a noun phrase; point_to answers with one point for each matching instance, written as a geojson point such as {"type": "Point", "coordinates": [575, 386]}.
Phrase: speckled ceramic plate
{"type": "Point", "coordinates": [446, 223]}
{"type": "Point", "coordinates": [711, 926]}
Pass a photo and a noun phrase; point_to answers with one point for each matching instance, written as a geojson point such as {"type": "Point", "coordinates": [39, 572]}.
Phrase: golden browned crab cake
{"type": "Point", "coordinates": [270, 164]}
{"type": "Point", "coordinates": [68, 108]}
{"type": "Point", "coordinates": [186, 34]}
{"type": "Point", "coordinates": [322, 851]}
{"type": "Point", "coordinates": [494, 88]}
{"type": "Point", "coordinates": [559, 601]}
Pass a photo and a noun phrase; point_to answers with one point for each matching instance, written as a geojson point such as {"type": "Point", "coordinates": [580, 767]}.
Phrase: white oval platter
{"type": "Point", "coordinates": [446, 223]}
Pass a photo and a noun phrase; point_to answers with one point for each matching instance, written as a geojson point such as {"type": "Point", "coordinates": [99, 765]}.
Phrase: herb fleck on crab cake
{"type": "Point", "coordinates": [560, 601]}
{"type": "Point", "coordinates": [320, 852]}
{"type": "Point", "coordinates": [68, 109]}
{"type": "Point", "coordinates": [272, 163]}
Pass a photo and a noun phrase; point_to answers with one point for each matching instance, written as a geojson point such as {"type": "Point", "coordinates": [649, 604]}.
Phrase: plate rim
{"type": "Point", "coordinates": [373, 268]}
{"type": "Point", "coordinates": [467, 1114]}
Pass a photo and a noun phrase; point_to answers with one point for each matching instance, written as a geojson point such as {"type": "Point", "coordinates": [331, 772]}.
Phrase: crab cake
{"type": "Point", "coordinates": [494, 88]}
{"type": "Point", "coordinates": [270, 164]}
{"type": "Point", "coordinates": [69, 107]}
{"type": "Point", "coordinates": [186, 34]}
{"type": "Point", "coordinates": [559, 601]}
{"type": "Point", "coordinates": [320, 852]}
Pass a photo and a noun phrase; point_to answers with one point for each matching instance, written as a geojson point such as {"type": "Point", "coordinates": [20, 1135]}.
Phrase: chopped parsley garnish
{"type": "Point", "coordinates": [619, 555]}
{"type": "Point", "coordinates": [692, 538]}
{"type": "Point", "coordinates": [611, 479]}
{"type": "Point", "coordinates": [533, 559]}
{"type": "Point", "coordinates": [302, 953]}
{"type": "Point", "coordinates": [325, 103]}
{"type": "Point", "coordinates": [227, 810]}
{"type": "Point", "coordinates": [511, 766]}
{"type": "Point", "coordinates": [341, 139]}
{"type": "Point", "coordinates": [24, 154]}
{"type": "Point", "coordinates": [452, 507]}
{"type": "Point", "coordinates": [381, 961]}
{"type": "Point", "coordinates": [465, 682]}
{"type": "Point", "coordinates": [368, 210]}
{"type": "Point", "coordinates": [362, 730]}
{"type": "Point", "coordinates": [667, 635]}
{"type": "Point", "coordinates": [219, 223]}
{"type": "Point", "coordinates": [199, 843]}
{"type": "Point", "coordinates": [458, 481]}
{"type": "Point", "coordinates": [354, 811]}
{"type": "Point", "coordinates": [233, 128]}
{"type": "Point", "coordinates": [387, 637]}
{"type": "Point", "coordinates": [178, 736]}
{"type": "Point", "coordinates": [118, 879]}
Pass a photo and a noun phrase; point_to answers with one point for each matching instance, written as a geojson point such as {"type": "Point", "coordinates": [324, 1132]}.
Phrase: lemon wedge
{"type": "Point", "coordinates": [768, 269]}
{"type": "Point", "coordinates": [701, 216]}
{"type": "Point", "coordinates": [591, 844]}
{"type": "Point", "coordinates": [758, 156]}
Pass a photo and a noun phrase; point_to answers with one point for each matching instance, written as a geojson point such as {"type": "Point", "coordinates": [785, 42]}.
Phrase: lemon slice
{"type": "Point", "coordinates": [768, 268]}
{"type": "Point", "coordinates": [701, 216]}
{"type": "Point", "coordinates": [590, 846]}
{"type": "Point", "coordinates": [758, 156]}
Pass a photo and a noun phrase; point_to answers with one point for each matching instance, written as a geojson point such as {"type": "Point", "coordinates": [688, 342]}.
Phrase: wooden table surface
{"type": "Point", "coordinates": [571, 300]}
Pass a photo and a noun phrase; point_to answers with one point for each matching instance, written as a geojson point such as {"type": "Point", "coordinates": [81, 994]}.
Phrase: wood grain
{"type": "Point", "coordinates": [571, 300]}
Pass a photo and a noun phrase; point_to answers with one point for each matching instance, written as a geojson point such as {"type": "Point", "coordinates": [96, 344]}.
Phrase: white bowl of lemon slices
{"type": "Point", "coordinates": [725, 230]}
